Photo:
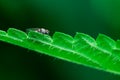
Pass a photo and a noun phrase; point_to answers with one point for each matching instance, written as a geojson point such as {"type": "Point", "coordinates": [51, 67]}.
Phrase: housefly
{"type": "Point", "coordinates": [40, 30]}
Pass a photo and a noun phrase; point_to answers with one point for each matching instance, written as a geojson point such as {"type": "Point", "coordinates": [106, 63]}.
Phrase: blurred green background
{"type": "Point", "coordinates": [69, 16]}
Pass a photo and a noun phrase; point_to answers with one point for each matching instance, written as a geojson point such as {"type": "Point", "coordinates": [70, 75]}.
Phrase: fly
{"type": "Point", "coordinates": [40, 30]}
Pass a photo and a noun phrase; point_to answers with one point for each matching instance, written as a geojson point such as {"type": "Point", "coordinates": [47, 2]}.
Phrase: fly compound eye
{"type": "Point", "coordinates": [40, 30]}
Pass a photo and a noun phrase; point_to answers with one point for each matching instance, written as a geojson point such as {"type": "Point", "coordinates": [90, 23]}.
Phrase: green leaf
{"type": "Point", "coordinates": [2, 32]}
{"type": "Point", "coordinates": [105, 42]}
{"type": "Point", "coordinates": [102, 53]}
{"type": "Point", "coordinates": [39, 36]}
{"type": "Point", "coordinates": [63, 40]}
{"type": "Point", "coordinates": [17, 34]}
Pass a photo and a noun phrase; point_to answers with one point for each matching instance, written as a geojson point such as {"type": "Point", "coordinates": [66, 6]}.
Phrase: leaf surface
{"type": "Point", "coordinates": [102, 53]}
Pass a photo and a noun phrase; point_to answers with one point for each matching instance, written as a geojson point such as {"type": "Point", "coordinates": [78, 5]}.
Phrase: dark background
{"type": "Point", "coordinates": [69, 16]}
